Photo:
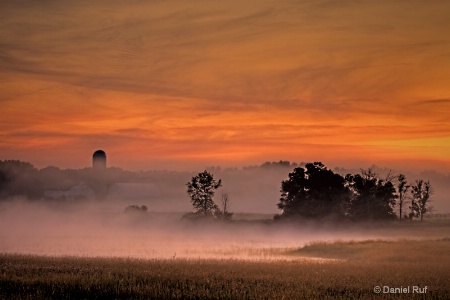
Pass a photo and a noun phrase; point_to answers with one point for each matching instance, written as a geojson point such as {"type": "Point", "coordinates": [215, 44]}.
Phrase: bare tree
{"type": "Point", "coordinates": [390, 176]}
{"type": "Point", "coordinates": [225, 201]}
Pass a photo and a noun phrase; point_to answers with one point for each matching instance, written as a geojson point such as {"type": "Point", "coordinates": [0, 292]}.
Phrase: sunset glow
{"type": "Point", "coordinates": [188, 84]}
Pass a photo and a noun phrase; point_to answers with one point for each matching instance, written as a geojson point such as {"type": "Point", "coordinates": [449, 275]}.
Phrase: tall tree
{"type": "Point", "coordinates": [402, 190]}
{"type": "Point", "coordinates": [373, 198]}
{"type": "Point", "coordinates": [201, 190]}
{"type": "Point", "coordinates": [313, 192]}
{"type": "Point", "coordinates": [421, 192]}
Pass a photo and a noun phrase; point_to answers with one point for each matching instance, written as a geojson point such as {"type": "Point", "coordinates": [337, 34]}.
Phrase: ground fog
{"type": "Point", "coordinates": [103, 229]}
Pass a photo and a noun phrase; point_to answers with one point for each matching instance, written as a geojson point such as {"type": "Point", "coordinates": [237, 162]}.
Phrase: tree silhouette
{"type": "Point", "coordinates": [313, 192]}
{"type": "Point", "coordinates": [402, 190]}
{"type": "Point", "coordinates": [421, 192]}
{"type": "Point", "coordinates": [19, 178]}
{"type": "Point", "coordinates": [201, 190]}
{"type": "Point", "coordinates": [373, 198]}
{"type": "Point", "coordinates": [223, 212]}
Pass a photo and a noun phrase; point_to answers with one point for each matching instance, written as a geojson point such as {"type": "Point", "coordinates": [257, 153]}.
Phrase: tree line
{"type": "Point", "coordinates": [311, 191]}
{"type": "Point", "coordinates": [316, 192]}
{"type": "Point", "coordinates": [22, 179]}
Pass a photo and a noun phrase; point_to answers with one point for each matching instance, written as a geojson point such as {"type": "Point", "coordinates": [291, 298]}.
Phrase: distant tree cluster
{"type": "Point", "coordinates": [315, 192]}
{"type": "Point", "coordinates": [22, 179]}
{"type": "Point", "coordinates": [136, 208]}
{"type": "Point", "coordinates": [19, 178]}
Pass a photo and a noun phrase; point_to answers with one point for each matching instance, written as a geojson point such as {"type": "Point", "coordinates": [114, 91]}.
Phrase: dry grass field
{"type": "Point", "coordinates": [354, 271]}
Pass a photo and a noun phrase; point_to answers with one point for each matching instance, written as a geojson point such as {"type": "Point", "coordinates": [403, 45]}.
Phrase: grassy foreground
{"type": "Point", "coordinates": [358, 267]}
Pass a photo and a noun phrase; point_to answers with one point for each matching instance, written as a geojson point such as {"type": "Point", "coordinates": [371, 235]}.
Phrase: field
{"type": "Point", "coordinates": [407, 261]}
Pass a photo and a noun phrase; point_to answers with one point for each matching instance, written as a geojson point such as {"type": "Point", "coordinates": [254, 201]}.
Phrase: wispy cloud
{"type": "Point", "coordinates": [239, 75]}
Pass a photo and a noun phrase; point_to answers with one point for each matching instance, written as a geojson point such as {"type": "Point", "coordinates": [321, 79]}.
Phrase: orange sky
{"type": "Point", "coordinates": [189, 84]}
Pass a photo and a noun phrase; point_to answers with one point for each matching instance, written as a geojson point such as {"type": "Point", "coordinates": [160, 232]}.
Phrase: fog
{"type": "Point", "coordinates": [80, 213]}
{"type": "Point", "coordinates": [103, 229]}
{"type": "Point", "coordinates": [94, 229]}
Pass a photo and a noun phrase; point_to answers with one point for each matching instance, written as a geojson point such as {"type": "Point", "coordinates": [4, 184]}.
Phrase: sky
{"type": "Point", "coordinates": [188, 84]}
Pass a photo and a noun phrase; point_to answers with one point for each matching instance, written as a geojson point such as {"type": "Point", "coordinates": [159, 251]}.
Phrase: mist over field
{"type": "Point", "coordinates": [135, 239]}
{"type": "Point", "coordinates": [84, 213]}
{"type": "Point", "coordinates": [104, 230]}
{"type": "Point", "coordinates": [95, 229]}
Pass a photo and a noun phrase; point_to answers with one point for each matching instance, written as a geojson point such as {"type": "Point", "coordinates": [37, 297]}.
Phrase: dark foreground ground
{"type": "Point", "coordinates": [421, 269]}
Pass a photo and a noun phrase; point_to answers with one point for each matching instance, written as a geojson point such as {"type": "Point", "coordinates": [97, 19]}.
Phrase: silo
{"type": "Point", "coordinates": [99, 160]}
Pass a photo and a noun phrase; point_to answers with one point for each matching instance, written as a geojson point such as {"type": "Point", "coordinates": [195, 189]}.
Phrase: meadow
{"type": "Point", "coordinates": [414, 258]}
